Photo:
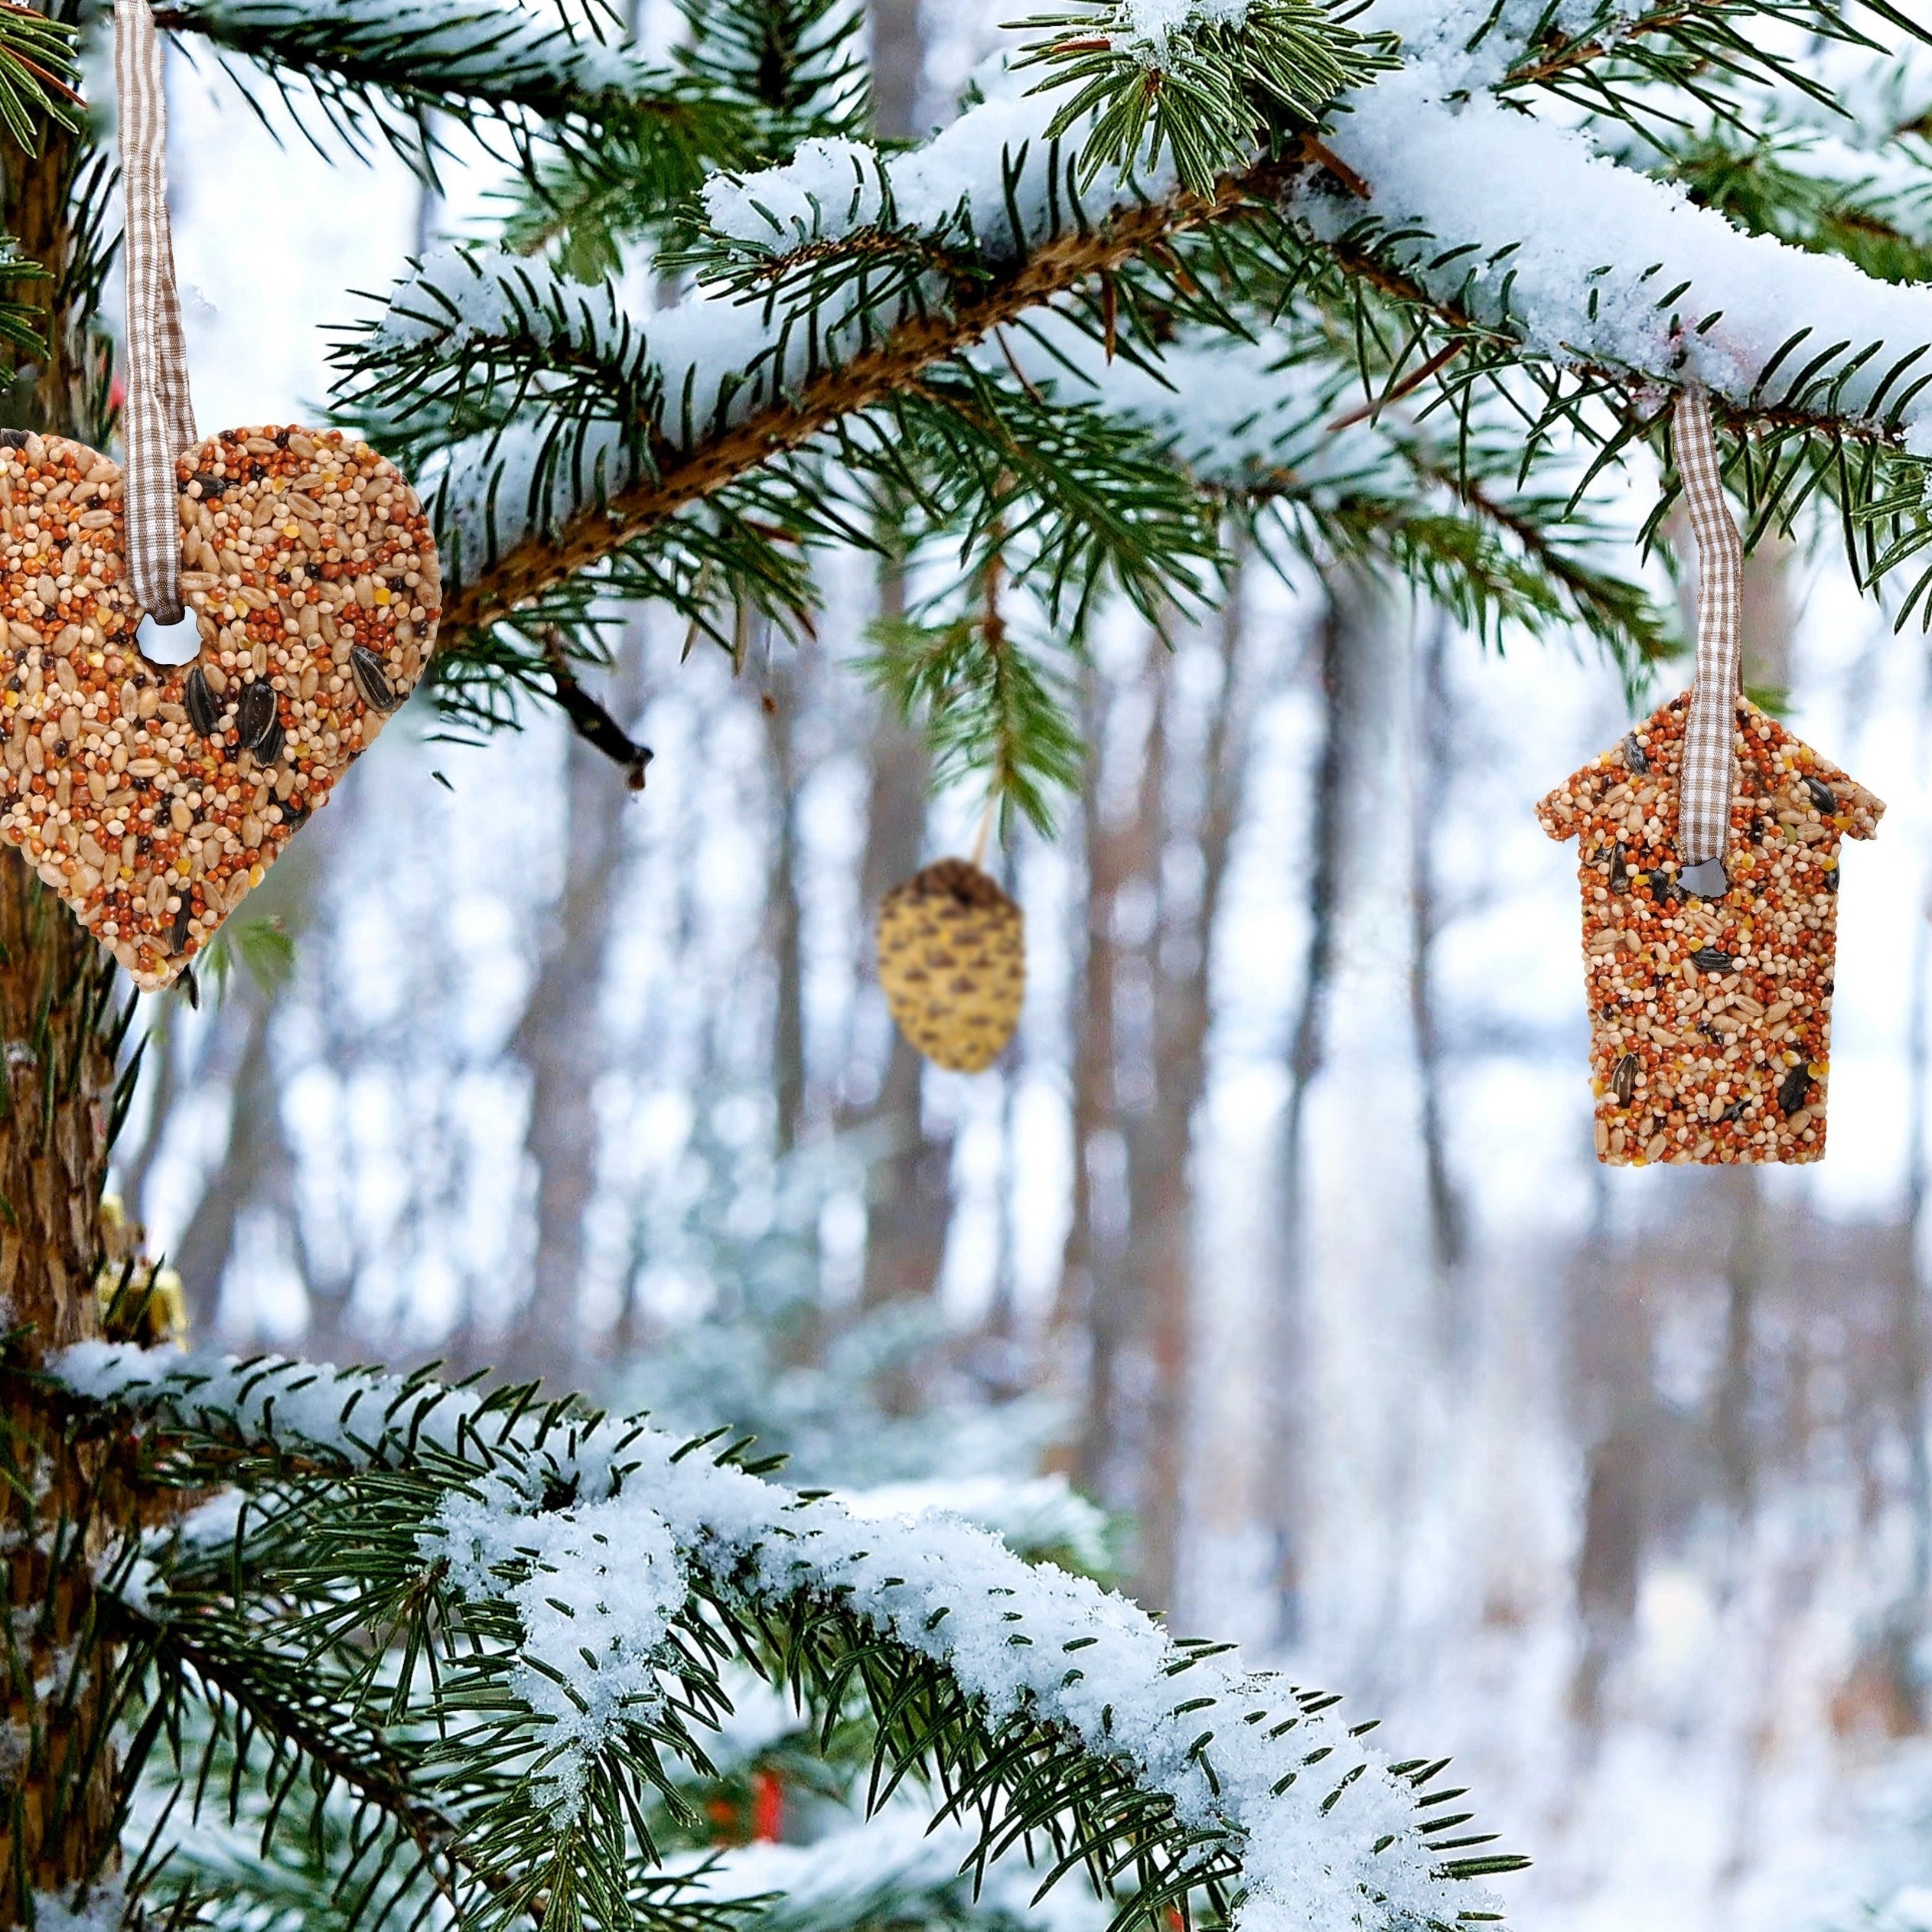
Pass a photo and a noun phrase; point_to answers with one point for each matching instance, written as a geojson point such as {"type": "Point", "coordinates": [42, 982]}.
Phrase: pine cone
{"type": "Point", "coordinates": [952, 962]}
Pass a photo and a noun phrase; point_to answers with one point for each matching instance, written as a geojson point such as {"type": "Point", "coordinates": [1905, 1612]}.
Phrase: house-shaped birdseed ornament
{"type": "Point", "coordinates": [1710, 1019]}
{"type": "Point", "coordinates": [1709, 842]}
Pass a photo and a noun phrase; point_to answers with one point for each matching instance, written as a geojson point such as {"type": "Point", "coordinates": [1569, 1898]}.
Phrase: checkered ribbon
{"type": "Point", "coordinates": [158, 417]}
{"type": "Point", "coordinates": [1704, 787]}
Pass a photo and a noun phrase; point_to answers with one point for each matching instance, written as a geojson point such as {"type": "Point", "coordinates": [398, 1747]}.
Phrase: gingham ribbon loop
{"type": "Point", "coordinates": [158, 417]}
{"type": "Point", "coordinates": [1704, 786]}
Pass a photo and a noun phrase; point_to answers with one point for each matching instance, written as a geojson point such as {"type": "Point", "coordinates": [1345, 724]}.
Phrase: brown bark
{"type": "Point", "coordinates": [785, 693]}
{"type": "Point", "coordinates": [558, 1040]}
{"type": "Point", "coordinates": [57, 1015]}
{"type": "Point", "coordinates": [58, 996]}
{"type": "Point", "coordinates": [1287, 1380]}
{"type": "Point", "coordinates": [1161, 1223]}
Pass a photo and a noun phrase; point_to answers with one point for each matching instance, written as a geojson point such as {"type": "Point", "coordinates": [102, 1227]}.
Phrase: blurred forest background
{"type": "Point", "coordinates": [1275, 1235]}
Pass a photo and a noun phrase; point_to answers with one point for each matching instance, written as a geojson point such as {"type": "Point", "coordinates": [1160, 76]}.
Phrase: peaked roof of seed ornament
{"type": "Point", "coordinates": [1859, 818]}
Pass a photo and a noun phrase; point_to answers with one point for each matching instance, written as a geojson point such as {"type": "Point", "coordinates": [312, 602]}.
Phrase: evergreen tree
{"type": "Point", "coordinates": [1400, 289]}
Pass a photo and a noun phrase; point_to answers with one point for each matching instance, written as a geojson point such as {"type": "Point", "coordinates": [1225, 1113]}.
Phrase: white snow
{"type": "Point", "coordinates": [1035, 1516]}
{"type": "Point", "coordinates": [1153, 25]}
{"type": "Point", "coordinates": [1590, 261]}
{"type": "Point", "coordinates": [595, 1590]}
{"type": "Point", "coordinates": [1236, 1753]}
{"type": "Point", "coordinates": [102, 1908]}
{"type": "Point", "coordinates": [828, 187]}
{"type": "Point", "coordinates": [474, 42]}
{"type": "Point", "coordinates": [867, 1874]}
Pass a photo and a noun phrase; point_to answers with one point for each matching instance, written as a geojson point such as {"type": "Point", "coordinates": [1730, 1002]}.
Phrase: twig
{"type": "Point", "coordinates": [588, 719]}
{"type": "Point", "coordinates": [1412, 381]}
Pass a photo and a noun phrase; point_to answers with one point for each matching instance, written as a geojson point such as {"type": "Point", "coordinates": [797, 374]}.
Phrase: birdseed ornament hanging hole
{"type": "Point", "coordinates": [153, 796]}
{"type": "Point", "coordinates": [952, 961]}
{"type": "Point", "coordinates": [179, 643]}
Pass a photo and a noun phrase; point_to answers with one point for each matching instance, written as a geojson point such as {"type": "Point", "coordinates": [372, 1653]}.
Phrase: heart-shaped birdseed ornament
{"type": "Point", "coordinates": [153, 797]}
{"type": "Point", "coordinates": [952, 949]}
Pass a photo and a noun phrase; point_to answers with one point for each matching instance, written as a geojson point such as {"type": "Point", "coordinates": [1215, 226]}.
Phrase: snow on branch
{"type": "Point", "coordinates": [1523, 226]}
{"type": "Point", "coordinates": [596, 1533]}
{"type": "Point", "coordinates": [834, 283]}
{"type": "Point", "coordinates": [365, 58]}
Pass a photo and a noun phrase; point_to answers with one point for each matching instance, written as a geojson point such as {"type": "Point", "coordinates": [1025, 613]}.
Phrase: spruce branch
{"type": "Point", "coordinates": [535, 1603]}
{"type": "Point", "coordinates": [683, 477]}
{"type": "Point", "coordinates": [1205, 92]}
{"type": "Point", "coordinates": [39, 74]}
{"type": "Point", "coordinates": [388, 69]}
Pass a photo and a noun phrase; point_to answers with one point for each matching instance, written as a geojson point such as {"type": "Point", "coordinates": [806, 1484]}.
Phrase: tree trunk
{"type": "Point", "coordinates": [559, 1041]}
{"type": "Point", "coordinates": [1081, 1324]}
{"type": "Point", "coordinates": [1163, 1228]}
{"type": "Point", "coordinates": [785, 693]}
{"type": "Point", "coordinates": [58, 1032]}
{"type": "Point", "coordinates": [909, 1187]}
{"type": "Point", "coordinates": [898, 68]}
{"type": "Point", "coordinates": [1113, 1433]}
{"type": "Point", "coordinates": [1434, 741]}
{"type": "Point", "coordinates": [1287, 1380]}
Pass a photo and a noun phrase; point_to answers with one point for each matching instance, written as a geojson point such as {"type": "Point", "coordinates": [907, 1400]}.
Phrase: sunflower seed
{"type": "Point", "coordinates": [1634, 757]}
{"type": "Point", "coordinates": [1623, 1080]}
{"type": "Point", "coordinates": [255, 714]}
{"type": "Point", "coordinates": [1709, 959]}
{"type": "Point", "coordinates": [372, 679]}
{"type": "Point", "coordinates": [177, 938]}
{"type": "Point", "coordinates": [272, 742]}
{"type": "Point", "coordinates": [1791, 1091]}
{"type": "Point", "coordinates": [1619, 875]}
{"type": "Point", "coordinates": [203, 713]}
{"type": "Point", "coordinates": [1821, 794]}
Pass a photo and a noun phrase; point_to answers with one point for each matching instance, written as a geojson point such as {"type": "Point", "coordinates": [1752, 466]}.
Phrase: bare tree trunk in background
{"type": "Point", "coordinates": [256, 1164]}
{"type": "Point", "coordinates": [1282, 1486]}
{"type": "Point", "coordinates": [1163, 1223]}
{"type": "Point", "coordinates": [785, 691]}
{"type": "Point", "coordinates": [898, 68]}
{"type": "Point", "coordinates": [1083, 1322]}
{"type": "Point", "coordinates": [1448, 1235]}
{"type": "Point", "coordinates": [1101, 1271]}
{"type": "Point", "coordinates": [1612, 1351]}
{"type": "Point", "coordinates": [909, 1190]}
{"type": "Point", "coordinates": [559, 1041]}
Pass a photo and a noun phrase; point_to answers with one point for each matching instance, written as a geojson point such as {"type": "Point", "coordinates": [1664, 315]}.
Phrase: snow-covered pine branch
{"type": "Point", "coordinates": [390, 65]}
{"type": "Point", "coordinates": [852, 275]}
{"type": "Point", "coordinates": [608, 1554]}
{"type": "Point", "coordinates": [1507, 220]}
{"type": "Point", "coordinates": [842, 276]}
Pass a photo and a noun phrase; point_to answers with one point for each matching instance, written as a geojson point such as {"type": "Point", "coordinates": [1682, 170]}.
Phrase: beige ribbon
{"type": "Point", "coordinates": [158, 416]}
{"type": "Point", "coordinates": [1704, 784]}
